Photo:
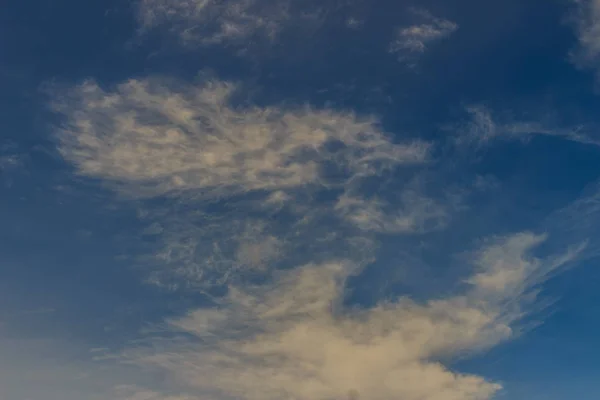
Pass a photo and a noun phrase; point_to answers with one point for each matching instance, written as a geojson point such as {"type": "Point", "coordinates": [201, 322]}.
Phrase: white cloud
{"type": "Point", "coordinates": [226, 190]}
{"type": "Point", "coordinates": [505, 273]}
{"type": "Point", "coordinates": [415, 39]}
{"type": "Point", "coordinates": [354, 23]}
{"type": "Point", "coordinates": [11, 162]}
{"type": "Point", "coordinates": [293, 339]}
{"type": "Point", "coordinates": [257, 251]}
{"type": "Point", "coordinates": [10, 157]}
{"type": "Point", "coordinates": [159, 137]}
{"type": "Point", "coordinates": [282, 192]}
{"type": "Point", "coordinates": [483, 129]}
{"type": "Point", "coordinates": [279, 171]}
{"type": "Point", "coordinates": [415, 213]}
{"type": "Point", "coordinates": [208, 22]}
{"type": "Point", "coordinates": [8, 162]}
{"type": "Point", "coordinates": [587, 28]}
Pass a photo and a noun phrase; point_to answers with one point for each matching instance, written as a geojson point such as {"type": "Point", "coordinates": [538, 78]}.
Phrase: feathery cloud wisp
{"type": "Point", "coordinates": [483, 129]}
{"type": "Point", "coordinates": [416, 38]}
{"type": "Point", "coordinates": [211, 22]}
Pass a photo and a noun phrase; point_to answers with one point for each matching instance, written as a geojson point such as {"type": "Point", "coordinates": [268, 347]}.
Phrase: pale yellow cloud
{"type": "Point", "coordinates": [157, 137]}
{"type": "Point", "coordinates": [128, 392]}
{"type": "Point", "coordinates": [206, 22]}
{"type": "Point", "coordinates": [149, 138]}
{"type": "Point", "coordinates": [280, 191]}
{"type": "Point", "coordinates": [414, 213]}
{"type": "Point", "coordinates": [411, 40]}
{"type": "Point", "coordinates": [293, 338]}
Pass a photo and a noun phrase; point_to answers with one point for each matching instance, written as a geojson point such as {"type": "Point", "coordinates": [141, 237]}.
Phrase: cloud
{"type": "Point", "coordinates": [577, 221]}
{"type": "Point", "coordinates": [294, 338]}
{"type": "Point", "coordinates": [8, 162]}
{"type": "Point", "coordinates": [229, 192]}
{"type": "Point", "coordinates": [417, 213]}
{"type": "Point", "coordinates": [11, 162]}
{"type": "Point", "coordinates": [211, 22]}
{"type": "Point", "coordinates": [354, 23]}
{"type": "Point", "coordinates": [483, 129]}
{"type": "Point", "coordinates": [159, 137]}
{"type": "Point", "coordinates": [130, 392]}
{"type": "Point", "coordinates": [586, 21]}
{"type": "Point", "coordinates": [244, 184]}
{"type": "Point", "coordinates": [414, 40]}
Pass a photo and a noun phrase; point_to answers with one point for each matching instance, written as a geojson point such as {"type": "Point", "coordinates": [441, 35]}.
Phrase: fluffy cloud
{"type": "Point", "coordinates": [294, 338]}
{"type": "Point", "coordinates": [415, 39]}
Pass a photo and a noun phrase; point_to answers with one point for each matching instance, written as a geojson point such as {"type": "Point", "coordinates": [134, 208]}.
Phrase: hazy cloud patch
{"type": "Point", "coordinates": [411, 41]}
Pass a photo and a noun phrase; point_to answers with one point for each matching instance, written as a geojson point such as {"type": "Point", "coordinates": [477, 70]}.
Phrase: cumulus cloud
{"type": "Point", "coordinates": [294, 338]}
{"type": "Point", "coordinates": [413, 40]}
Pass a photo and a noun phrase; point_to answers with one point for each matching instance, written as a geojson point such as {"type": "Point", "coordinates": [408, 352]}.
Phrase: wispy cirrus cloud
{"type": "Point", "coordinates": [418, 214]}
{"type": "Point", "coordinates": [217, 22]}
{"type": "Point", "coordinates": [8, 162]}
{"type": "Point", "coordinates": [484, 128]}
{"type": "Point", "coordinates": [11, 160]}
{"type": "Point", "coordinates": [411, 41]}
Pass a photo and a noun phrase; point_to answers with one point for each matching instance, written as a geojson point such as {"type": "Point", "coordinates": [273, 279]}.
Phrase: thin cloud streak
{"type": "Point", "coordinates": [483, 129]}
{"type": "Point", "coordinates": [236, 23]}
{"type": "Point", "coordinates": [414, 40]}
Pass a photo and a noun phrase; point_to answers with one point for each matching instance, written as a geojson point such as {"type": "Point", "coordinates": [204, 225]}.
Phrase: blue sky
{"type": "Point", "coordinates": [307, 200]}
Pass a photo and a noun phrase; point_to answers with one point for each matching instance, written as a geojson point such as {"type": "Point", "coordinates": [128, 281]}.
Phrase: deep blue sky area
{"type": "Point", "coordinates": [121, 242]}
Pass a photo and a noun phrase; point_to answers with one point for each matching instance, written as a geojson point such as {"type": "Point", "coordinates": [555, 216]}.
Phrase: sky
{"type": "Point", "coordinates": [299, 200]}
